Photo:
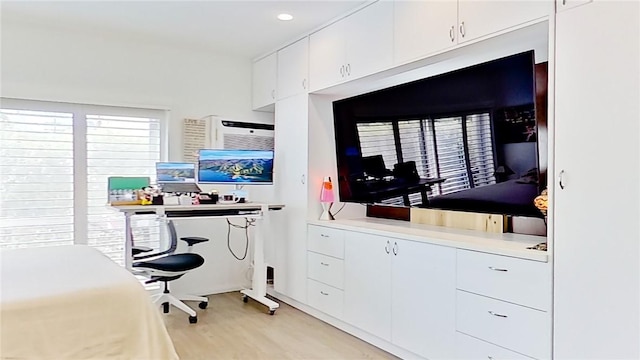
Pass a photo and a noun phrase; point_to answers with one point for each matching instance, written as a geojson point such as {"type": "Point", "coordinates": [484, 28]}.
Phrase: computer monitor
{"type": "Point", "coordinates": [175, 172]}
{"type": "Point", "coordinates": [239, 167]}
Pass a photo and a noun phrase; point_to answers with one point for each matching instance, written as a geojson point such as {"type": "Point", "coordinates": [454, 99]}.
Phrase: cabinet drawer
{"type": "Point", "coordinates": [468, 347]}
{"type": "Point", "coordinates": [326, 269]}
{"type": "Point", "coordinates": [515, 327]}
{"type": "Point", "coordinates": [326, 241]}
{"type": "Point", "coordinates": [325, 298]}
{"type": "Point", "coordinates": [520, 281]}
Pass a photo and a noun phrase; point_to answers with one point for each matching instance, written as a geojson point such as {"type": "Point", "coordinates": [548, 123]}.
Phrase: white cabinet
{"type": "Point", "coordinates": [401, 291]}
{"type": "Point", "coordinates": [423, 294]}
{"type": "Point", "coordinates": [264, 82]}
{"type": "Point", "coordinates": [562, 5]}
{"type": "Point", "coordinates": [367, 283]}
{"type": "Point", "coordinates": [293, 66]}
{"type": "Point", "coordinates": [597, 133]}
{"type": "Point", "coordinates": [326, 270]}
{"type": "Point", "coordinates": [480, 18]}
{"type": "Point", "coordinates": [356, 46]}
{"type": "Point", "coordinates": [290, 181]}
{"type": "Point", "coordinates": [426, 27]}
{"type": "Point", "coordinates": [468, 347]}
{"type": "Point", "coordinates": [422, 28]}
{"type": "Point", "coordinates": [504, 301]}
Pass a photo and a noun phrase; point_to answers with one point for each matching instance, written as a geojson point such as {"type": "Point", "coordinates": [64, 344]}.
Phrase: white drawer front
{"type": "Point", "coordinates": [470, 348]}
{"type": "Point", "coordinates": [325, 298]}
{"type": "Point", "coordinates": [326, 241]}
{"type": "Point", "coordinates": [515, 327]}
{"type": "Point", "coordinates": [520, 281]}
{"type": "Point", "coordinates": [326, 269]}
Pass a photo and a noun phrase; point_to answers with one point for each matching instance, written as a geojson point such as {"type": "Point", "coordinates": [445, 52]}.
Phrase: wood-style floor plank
{"type": "Point", "coordinates": [232, 329]}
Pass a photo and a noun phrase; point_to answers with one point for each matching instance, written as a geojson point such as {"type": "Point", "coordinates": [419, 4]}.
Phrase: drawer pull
{"type": "Point", "coordinates": [498, 315]}
{"type": "Point", "coordinates": [490, 357]}
{"type": "Point", "coordinates": [497, 269]}
{"type": "Point", "coordinates": [323, 264]}
{"type": "Point", "coordinates": [323, 293]}
{"type": "Point", "coordinates": [324, 236]}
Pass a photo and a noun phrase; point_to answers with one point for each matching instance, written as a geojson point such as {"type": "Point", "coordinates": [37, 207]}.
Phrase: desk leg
{"type": "Point", "coordinates": [425, 198]}
{"type": "Point", "coordinates": [259, 282]}
{"type": "Point", "coordinates": [128, 241]}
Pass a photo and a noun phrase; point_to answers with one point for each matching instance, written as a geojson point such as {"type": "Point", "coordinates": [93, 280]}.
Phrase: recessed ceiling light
{"type": "Point", "coordinates": [285, 17]}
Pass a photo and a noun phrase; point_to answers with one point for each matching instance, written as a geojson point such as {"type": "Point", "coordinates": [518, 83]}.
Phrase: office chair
{"type": "Point", "coordinates": [167, 266]}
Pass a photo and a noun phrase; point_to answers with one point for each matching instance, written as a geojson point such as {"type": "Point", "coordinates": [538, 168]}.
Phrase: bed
{"type": "Point", "coordinates": [512, 197]}
{"type": "Point", "coordinates": [72, 302]}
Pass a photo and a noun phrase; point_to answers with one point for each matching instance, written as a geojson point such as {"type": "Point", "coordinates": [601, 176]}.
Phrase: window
{"type": "Point", "coordinates": [457, 148]}
{"type": "Point", "coordinates": [55, 166]}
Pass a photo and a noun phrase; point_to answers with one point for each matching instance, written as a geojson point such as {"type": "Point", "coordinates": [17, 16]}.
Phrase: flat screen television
{"type": "Point", "coordinates": [240, 167]}
{"type": "Point", "coordinates": [175, 172]}
{"type": "Point", "coordinates": [470, 140]}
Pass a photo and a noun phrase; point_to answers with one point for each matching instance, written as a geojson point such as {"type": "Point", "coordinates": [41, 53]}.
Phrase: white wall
{"type": "Point", "coordinates": [80, 65]}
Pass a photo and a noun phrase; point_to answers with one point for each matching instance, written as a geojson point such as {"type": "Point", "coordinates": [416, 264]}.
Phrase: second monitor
{"type": "Point", "coordinates": [238, 167]}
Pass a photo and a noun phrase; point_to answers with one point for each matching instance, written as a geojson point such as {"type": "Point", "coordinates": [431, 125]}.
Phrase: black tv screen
{"type": "Point", "coordinates": [466, 140]}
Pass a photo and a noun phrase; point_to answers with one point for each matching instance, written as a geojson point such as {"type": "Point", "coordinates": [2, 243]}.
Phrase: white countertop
{"type": "Point", "coordinates": [508, 244]}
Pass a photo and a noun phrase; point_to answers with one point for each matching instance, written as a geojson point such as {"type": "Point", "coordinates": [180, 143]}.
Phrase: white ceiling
{"type": "Point", "coordinates": [246, 28]}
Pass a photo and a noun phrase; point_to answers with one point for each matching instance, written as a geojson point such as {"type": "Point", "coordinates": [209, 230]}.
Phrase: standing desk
{"type": "Point", "coordinates": [251, 210]}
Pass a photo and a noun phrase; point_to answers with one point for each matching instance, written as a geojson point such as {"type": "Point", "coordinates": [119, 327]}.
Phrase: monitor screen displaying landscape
{"type": "Point", "coordinates": [175, 172]}
{"type": "Point", "coordinates": [235, 166]}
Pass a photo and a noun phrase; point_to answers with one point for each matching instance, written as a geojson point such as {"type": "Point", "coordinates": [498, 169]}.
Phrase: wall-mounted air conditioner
{"type": "Point", "coordinates": [233, 134]}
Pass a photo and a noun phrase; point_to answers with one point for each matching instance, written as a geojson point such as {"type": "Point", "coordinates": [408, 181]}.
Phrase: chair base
{"type": "Point", "coordinates": [176, 300]}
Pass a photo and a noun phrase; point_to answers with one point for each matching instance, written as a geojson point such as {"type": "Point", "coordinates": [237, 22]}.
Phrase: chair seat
{"type": "Point", "coordinates": [192, 240]}
{"type": "Point", "coordinates": [173, 263]}
{"type": "Point", "coordinates": [135, 250]}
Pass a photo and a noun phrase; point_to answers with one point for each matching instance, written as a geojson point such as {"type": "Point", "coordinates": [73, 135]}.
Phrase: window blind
{"type": "Point", "coordinates": [55, 165]}
{"type": "Point", "coordinates": [449, 145]}
{"type": "Point", "coordinates": [36, 178]}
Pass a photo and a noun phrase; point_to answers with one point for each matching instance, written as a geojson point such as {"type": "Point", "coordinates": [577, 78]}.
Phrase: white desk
{"type": "Point", "coordinates": [258, 211]}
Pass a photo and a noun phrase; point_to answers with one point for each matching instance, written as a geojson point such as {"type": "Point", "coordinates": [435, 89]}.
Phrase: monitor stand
{"type": "Point", "coordinates": [242, 194]}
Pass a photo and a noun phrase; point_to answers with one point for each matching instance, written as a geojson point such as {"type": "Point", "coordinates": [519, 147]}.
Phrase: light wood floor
{"type": "Point", "coordinates": [231, 329]}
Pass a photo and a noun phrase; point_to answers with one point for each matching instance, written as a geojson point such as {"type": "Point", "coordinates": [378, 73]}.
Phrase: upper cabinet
{"type": "Point", "coordinates": [264, 82]}
{"type": "Point", "coordinates": [422, 28]}
{"type": "Point", "coordinates": [562, 5]}
{"type": "Point", "coordinates": [356, 46]}
{"type": "Point", "coordinates": [293, 69]}
{"type": "Point", "coordinates": [480, 18]}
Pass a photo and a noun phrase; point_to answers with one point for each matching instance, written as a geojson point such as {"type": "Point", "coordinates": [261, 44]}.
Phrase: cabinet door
{"type": "Point", "coordinates": [369, 40]}
{"type": "Point", "coordinates": [423, 27]}
{"type": "Point", "coordinates": [264, 82]}
{"type": "Point", "coordinates": [367, 283]}
{"type": "Point", "coordinates": [562, 5]}
{"type": "Point", "coordinates": [293, 68]}
{"type": "Point", "coordinates": [423, 298]}
{"type": "Point", "coordinates": [480, 18]}
{"type": "Point", "coordinates": [597, 134]}
{"type": "Point", "coordinates": [290, 166]}
{"type": "Point", "coordinates": [327, 56]}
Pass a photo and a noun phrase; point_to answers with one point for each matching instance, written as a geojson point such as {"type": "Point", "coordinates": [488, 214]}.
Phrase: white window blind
{"type": "Point", "coordinates": [480, 147]}
{"type": "Point", "coordinates": [119, 146]}
{"type": "Point", "coordinates": [377, 138]}
{"type": "Point", "coordinates": [55, 166]}
{"type": "Point", "coordinates": [451, 158]}
{"type": "Point", "coordinates": [36, 178]}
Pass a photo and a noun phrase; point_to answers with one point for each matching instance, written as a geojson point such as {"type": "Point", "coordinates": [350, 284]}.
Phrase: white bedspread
{"type": "Point", "coordinates": [72, 302]}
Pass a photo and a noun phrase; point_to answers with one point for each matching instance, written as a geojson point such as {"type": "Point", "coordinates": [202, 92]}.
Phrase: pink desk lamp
{"type": "Point", "coordinates": [326, 199]}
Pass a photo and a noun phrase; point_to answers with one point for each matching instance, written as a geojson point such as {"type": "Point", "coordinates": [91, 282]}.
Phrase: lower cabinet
{"type": "Point", "coordinates": [468, 347]}
{"type": "Point", "coordinates": [402, 291]}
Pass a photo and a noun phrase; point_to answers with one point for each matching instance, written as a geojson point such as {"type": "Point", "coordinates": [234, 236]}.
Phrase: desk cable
{"type": "Point", "coordinates": [248, 223]}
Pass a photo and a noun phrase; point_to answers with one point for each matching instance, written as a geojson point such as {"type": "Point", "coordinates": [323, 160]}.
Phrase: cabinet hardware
{"type": "Point", "coordinates": [273, 94]}
{"type": "Point", "coordinates": [348, 69]}
{"type": "Point", "coordinates": [323, 264]}
{"type": "Point", "coordinates": [342, 71]}
{"type": "Point", "coordinates": [324, 236]}
{"type": "Point", "coordinates": [323, 293]}
{"type": "Point", "coordinates": [564, 2]}
{"type": "Point", "coordinates": [490, 357]}
{"type": "Point", "coordinates": [496, 314]}
{"type": "Point", "coordinates": [302, 179]}
{"type": "Point", "coordinates": [560, 182]}
{"type": "Point", "coordinates": [497, 269]}
{"type": "Point", "coordinates": [304, 83]}
{"type": "Point", "coordinates": [462, 29]}
{"type": "Point", "coordinates": [451, 33]}
{"type": "Point", "coordinates": [386, 247]}
{"type": "Point", "coordinates": [395, 248]}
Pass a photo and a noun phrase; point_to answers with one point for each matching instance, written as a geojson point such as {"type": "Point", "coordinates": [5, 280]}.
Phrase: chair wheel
{"type": "Point", "coordinates": [203, 304]}
{"type": "Point", "coordinates": [245, 298]}
{"type": "Point", "coordinates": [193, 319]}
{"type": "Point", "coordinates": [165, 307]}
{"type": "Point", "coordinates": [272, 311]}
